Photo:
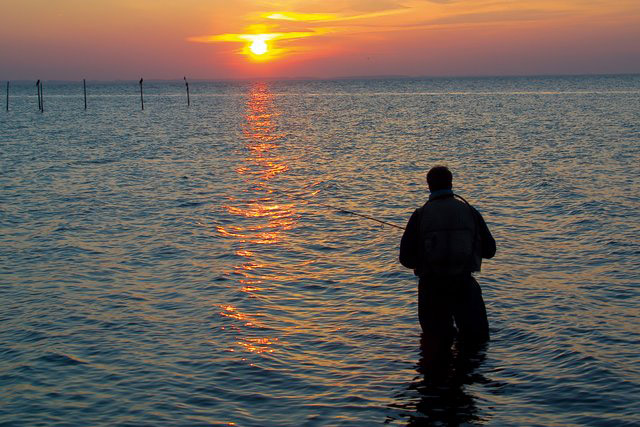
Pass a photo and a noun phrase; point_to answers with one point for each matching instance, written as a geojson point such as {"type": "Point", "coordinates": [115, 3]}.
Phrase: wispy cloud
{"type": "Point", "coordinates": [499, 16]}
{"type": "Point", "coordinates": [293, 16]}
{"type": "Point", "coordinates": [263, 35]}
{"type": "Point", "coordinates": [329, 17]}
{"type": "Point", "coordinates": [250, 37]}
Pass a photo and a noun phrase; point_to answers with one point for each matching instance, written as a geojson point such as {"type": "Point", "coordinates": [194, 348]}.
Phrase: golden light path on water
{"type": "Point", "coordinates": [272, 218]}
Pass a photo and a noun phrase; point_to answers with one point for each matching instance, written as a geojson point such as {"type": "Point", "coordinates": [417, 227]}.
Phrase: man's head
{"type": "Point", "coordinates": [439, 178]}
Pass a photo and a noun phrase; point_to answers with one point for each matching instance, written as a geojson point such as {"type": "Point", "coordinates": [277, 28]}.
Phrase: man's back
{"type": "Point", "coordinates": [449, 232]}
{"type": "Point", "coordinates": [446, 236]}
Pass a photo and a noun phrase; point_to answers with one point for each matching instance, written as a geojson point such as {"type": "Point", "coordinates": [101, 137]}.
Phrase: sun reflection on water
{"type": "Point", "coordinates": [261, 219]}
{"type": "Point", "coordinates": [258, 345]}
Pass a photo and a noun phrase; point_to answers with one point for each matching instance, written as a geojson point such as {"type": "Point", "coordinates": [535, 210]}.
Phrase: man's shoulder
{"type": "Point", "coordinates": [475, 211]}
{"type": "Point", "coordinates": [416, 215]}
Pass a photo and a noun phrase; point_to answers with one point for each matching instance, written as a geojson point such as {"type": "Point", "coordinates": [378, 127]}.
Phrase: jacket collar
{"type": "Point", "coordinates": [439, 194]}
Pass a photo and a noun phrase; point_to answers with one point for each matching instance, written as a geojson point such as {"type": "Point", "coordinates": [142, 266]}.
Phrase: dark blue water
{"type": "Point", "coordinates": [176, 266]}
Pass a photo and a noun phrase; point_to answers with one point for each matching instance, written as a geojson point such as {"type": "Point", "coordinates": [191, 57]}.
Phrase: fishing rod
{"type": "Point", "coordinates": [359, 214]}
{"type": "Point", "coordinates": [339, 209]}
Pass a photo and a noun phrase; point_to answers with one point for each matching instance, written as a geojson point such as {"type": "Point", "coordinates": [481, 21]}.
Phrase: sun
{"type": "Point", "coordinates": [258, 47]}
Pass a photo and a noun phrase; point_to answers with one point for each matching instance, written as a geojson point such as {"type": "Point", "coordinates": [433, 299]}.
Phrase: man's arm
{"type": "Point", "coordinates": [410, 243]}
{"type": "Point", "coordinates": [486, 239]}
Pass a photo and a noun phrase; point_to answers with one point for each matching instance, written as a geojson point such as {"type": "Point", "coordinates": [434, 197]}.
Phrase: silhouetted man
{"type": "Point", "coordinates": [444, 242]}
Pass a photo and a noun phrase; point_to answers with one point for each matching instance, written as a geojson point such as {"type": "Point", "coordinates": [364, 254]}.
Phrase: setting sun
{"type": "Point", "coordinates": [258, 47]}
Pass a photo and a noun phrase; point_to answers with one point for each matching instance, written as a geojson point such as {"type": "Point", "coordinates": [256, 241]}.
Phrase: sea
{"type": "Point", "coordinates": [202, 261]}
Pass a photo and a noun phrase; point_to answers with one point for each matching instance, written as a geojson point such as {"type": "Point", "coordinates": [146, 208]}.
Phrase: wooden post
{"type": "Point", "coordinates": [188, 99]}
{"type": "Point", "coordinates": [7, 96]}
{"type": "Point", "coordinates": [39, 99]}
{"type": "Point", "coordinates": [84, 85]}
{"type": "Point", "coordinates": [141, 97]}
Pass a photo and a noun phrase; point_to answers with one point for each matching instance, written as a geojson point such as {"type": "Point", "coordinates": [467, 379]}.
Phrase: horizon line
{"type": "Point", "coordinates": [345, 77]}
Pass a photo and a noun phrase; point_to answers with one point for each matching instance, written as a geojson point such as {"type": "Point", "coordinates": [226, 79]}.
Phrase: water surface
{"type": "Point", "coordinates": [179, 266]}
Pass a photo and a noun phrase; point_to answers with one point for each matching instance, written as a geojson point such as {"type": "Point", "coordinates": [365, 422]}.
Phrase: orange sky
{"type": "Point", "coordinates": [125, 39]}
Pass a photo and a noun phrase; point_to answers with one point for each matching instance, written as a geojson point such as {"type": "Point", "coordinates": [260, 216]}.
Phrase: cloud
{"type": "Point", "coordinates": [335, 6]}
{"type": "Point", "coordinates": [245, 38]}
{"type": "Point", "coordinates": [264, 36]}
{"type": "Point", "coordinates": [368, 6]}
{"type": "Point", "coordinates": [499, 16]}
{"type": "Point", "coordinates": [293, 16]}
{"type": "Point", "coordinates": [328, 17]}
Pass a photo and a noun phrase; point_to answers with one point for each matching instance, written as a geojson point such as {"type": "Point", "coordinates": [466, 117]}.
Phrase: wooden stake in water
{"type": "Point", "coordinates": [188, 99]}
{"type": "Point", "coordinates": [39, 99]}
{"type": "Point", "coordinates": [141, 97]}
{"type": "Point", "coordinates": [84, 86]}
{"type": "Point", "coordinates": [7, 96]}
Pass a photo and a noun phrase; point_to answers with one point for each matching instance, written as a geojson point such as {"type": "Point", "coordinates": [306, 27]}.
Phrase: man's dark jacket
{"type": "Point", "coordinates": [445, 221]}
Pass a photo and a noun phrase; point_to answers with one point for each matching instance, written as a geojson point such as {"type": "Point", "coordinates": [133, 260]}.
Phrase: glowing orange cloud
{"type": "Point", "coordinates": [292, 16]}
{"type": "Point", "coordinates": [258, 45]}
{"type": "Point", "coordinates": [328, 17]}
